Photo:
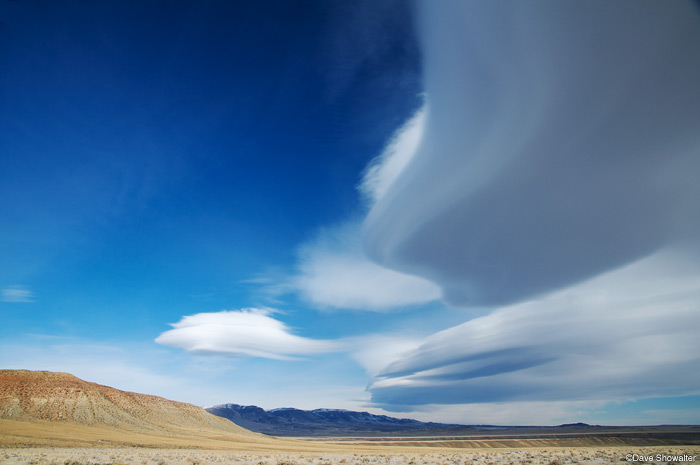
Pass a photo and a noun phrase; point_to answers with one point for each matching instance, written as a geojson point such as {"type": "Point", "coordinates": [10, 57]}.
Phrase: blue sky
{"type": "Point", "coordinates": [449, 211]}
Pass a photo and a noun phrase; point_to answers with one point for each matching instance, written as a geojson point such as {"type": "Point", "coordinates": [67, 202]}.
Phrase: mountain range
{"type": "Point", "coordinates": [325, 422]}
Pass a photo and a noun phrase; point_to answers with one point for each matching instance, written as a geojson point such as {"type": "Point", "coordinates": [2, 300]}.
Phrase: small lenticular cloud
{"type": "Point", "coordinates": [17, 294]}
{"type": "Point", "coordinates": [249, 332]}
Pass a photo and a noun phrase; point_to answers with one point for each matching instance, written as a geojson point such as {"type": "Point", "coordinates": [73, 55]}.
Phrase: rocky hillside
{"type": "Point", "coordinates": [46, 408]}
{"type": "Point", "coordinates": [52, 396]}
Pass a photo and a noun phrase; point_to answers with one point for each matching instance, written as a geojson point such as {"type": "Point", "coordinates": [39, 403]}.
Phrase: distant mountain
{"type": "Point", "coordinates": [324, 422]}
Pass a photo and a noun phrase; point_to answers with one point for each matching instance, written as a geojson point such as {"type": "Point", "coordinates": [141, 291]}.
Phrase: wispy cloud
{"type": "Point", "coordinates": [375, 351]}
{"type": "Point", "coordinates": [248, 332]}
{"type": "Point", "coordinates": [547, 156]}
{"type": "Point", "coordinates": [386, 168]}
{"type": "Point", "coordinates": [334, 273]}
{"type": "Point", "coordinates": [17, 294]}
{"type": "Point", "coordinates": [630, 333]}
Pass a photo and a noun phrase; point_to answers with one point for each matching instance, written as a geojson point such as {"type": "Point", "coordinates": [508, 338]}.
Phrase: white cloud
{"type": "Point", "coordinates": [375, 352]}
{"type": "Point", "coordinates": [353, 282]}
{"type": "Point", "coordinates": [387, 167]}
{"type": "Point", "coordinates": [241, 333]}
{"type": "Point", "coordinates": [17, 294]}
{"type": "Point", "coordinates": [630, 333]}
{"type": "Point", "coordinates": [549, 154]}
{"type": "Point", "coordinates": [333, 272]}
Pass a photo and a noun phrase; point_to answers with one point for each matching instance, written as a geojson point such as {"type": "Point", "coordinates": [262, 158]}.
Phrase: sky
{"type": "Point", "coordinates": [455, 211]}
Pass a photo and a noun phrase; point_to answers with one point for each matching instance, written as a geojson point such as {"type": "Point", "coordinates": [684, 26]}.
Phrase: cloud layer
{"type": "Point", "coordinates": [249, 332]}
{"type": "Point", "coordinates": [549, 154]}
{"type": "Point", "coordinates": [630, 333]}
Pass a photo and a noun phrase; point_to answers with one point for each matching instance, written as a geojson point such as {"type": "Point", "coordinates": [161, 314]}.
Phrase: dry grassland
{"type": "Point", "coordinates": [35, 433]}
{"type": "Point", "coordinates": [145, 456]}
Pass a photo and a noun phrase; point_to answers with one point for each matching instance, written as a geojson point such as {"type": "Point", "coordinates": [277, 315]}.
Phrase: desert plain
{"type": "Point", "coordinates": [392, 456]}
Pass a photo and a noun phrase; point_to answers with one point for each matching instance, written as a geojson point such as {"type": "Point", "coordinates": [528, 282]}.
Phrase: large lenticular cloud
{"type": "Point", "coordinates": [560, 141]}
{"type": "Point", "coordinates": [629, 333]}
